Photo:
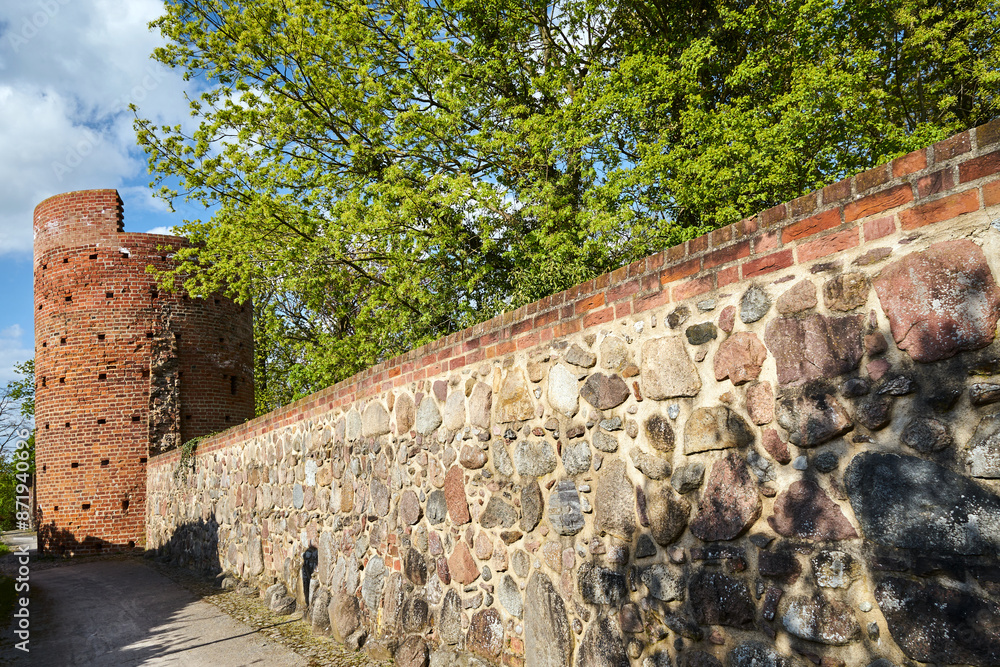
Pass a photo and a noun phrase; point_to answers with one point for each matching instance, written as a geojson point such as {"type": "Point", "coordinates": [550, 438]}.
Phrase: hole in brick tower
{"type": "Point", "coordinates": [62, 380]}
{"type": "Point", "coordinates": [105, 462]}
{"type": "Point", "coordinates": [62, 341]}
{"type": "Point", "coordinates": [108, 295]}
{"type": "Point", "coordinates": [85, 506]}
{"type": "Point", "coordinates": [135, 418]}
{"type": "Point", "coordinates": [74, 464]}
{"type": "Point", "coordinates": [69, 298]}
{"type": "Point", "coordinates": [232, 385]}
{"type": "Point", "coordinates": [100, 336]}
{"type": "Point", "coordinates": [149, 334]}
{"type": "Point", "coordinates": [125, 509]}
{"type": "Point", "coordinates": [94, 256]}
{"type": "Point", "coordinates": [142, 459]}
{"type": "Point", "coordinates": [227, 419]}
{"type": "Point", "coordinates": [65, 260]}
{"type": "Point", "coordinates": [45, 344]}
{"type": "Point", "coordinates": [102, 376]}
{"type": "Point", "coordinates": [102, 421]}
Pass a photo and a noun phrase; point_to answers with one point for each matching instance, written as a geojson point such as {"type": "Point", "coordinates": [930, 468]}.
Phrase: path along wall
{"type": "Point", "coordinates": [777, 444]}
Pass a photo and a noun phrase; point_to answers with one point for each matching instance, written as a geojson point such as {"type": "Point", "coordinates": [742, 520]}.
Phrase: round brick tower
{"type": "Point", "coordinates": [122, 369]}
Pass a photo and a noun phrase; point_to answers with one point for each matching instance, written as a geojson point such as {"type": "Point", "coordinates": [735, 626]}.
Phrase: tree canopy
{"type": "Point", "coordinates": [384, 172]}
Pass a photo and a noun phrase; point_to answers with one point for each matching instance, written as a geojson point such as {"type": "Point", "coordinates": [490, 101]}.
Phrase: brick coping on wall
{"type": "Point", "coordinates": [929, 185]}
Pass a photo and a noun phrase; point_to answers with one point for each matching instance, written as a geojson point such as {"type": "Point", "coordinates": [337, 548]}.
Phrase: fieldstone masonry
{"type": "Point", "coordinates": [778, 444]}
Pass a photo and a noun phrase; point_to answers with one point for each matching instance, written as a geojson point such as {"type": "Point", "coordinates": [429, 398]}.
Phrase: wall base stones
{"type": "Point", "coordinates": [784, 460]}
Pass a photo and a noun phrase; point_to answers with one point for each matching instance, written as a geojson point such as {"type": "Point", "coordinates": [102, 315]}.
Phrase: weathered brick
{"type": "Point", "coordinates": [836, 192]}
{"type": "Point", "coordinates": [678, 271]}
{"type": "Point", "coordinates": [909, 163]}
{"type": "Point", "coordinates": [991, 194]}
{"type": "Point", "coordinates": [940, 210]}
{"type": "Point", "coordinates": [878, 202]}
{"type": "Point", "coordinates": [952, 147]}
{"type": "Point", "coordinates": [773, 216]}
{"type": "Point", "coordinates": [728, 254]}
{"type": "Point", "coordinates": [811, 225]}
{"type": "Point", "coordinates": [984, 165]}
{"type": "Point", "coordinates": [879, 228]}
{"type": "Point", "coordinates": [827, 245]}
{"type": "Point", "coordinates": [867, 180]}
{"type": "Point", "coordinates": [988, 134]}
{"type": "Point", "coordinates": [773, 262]}
{"type": "Point", "coordinates": [939, 181]}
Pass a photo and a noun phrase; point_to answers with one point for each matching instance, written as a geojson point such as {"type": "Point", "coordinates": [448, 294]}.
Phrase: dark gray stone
{"type": "Point", "coordinates": [700, 334]}
{"type": "Point", "coordinates": [897, 386]}
{"type": "Point", "coordinates": [437, 508]}
{"type": "Point", "coordinates": [756, 654]}
{"type": "Point", "coordinates": [826, 462]}
{"type": "Point", "coordinates": [926, 435]}
{"type": "Point", "coordinates": [874, 412]}
{"type": "Point", "coordinates": [531, 506]}
{"type": "Point", "coordinates": [547, 637]}
{"type": "Point", "coordinates": [415, 613]}
{"type": "Point", "coordinates": [718, 599]}
{"type": "Point", "coordinates": [910, 503]}
{"type": "Point", "coordinates": [600, 585]}
{"type": "Point", "coordinates": [940, 625]}
{"type": "Point", "coordinates": [645, 546]}
{"type": "Point", "coordinates": [697, 659]}
{"type": "Point", "coordinates": [754, 304]}
{"type": "Point", "coordinates": [659, 433]}
{"type": "Point", "coordinates": [565, 513]}
{"type": "Point", "coordinates": [602, 646]}
{"type": "Point", "coordinates": [498, 513]}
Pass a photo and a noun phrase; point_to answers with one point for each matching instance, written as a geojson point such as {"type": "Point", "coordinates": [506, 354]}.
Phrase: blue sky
{"type": "Point", "coordinates": [68, 70]}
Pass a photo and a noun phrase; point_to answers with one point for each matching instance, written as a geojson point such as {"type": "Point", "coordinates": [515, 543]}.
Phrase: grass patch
{"type": "Point", "coordinates": [4, 549]}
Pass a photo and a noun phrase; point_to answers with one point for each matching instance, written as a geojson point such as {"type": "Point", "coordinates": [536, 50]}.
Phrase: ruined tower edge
{"type": "Point", "coordinates": [123, 369]}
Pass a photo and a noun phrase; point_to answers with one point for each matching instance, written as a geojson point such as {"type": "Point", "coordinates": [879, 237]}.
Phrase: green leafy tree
{"type": "Point", "coordinates": [17, 411]}
{"type": "Point", "coordinates": [385, 172]}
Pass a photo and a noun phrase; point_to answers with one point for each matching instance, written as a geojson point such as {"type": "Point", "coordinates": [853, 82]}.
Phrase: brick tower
{"type": "Point", "coordinates": [122, 369]}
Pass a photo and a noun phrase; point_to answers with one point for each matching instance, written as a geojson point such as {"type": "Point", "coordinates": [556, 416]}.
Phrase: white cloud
{"type": "Point", "coordinates": [68, 70]}
{"type": "Point", "coordinates": [13, 349]}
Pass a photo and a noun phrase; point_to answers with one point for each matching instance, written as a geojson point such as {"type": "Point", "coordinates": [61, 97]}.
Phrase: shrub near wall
{"type": "Point", "coordinates": [774, 445]}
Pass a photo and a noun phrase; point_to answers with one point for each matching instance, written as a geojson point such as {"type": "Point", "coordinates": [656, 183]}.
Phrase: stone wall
{"type": "Point", "coordinates": [777, 444]}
